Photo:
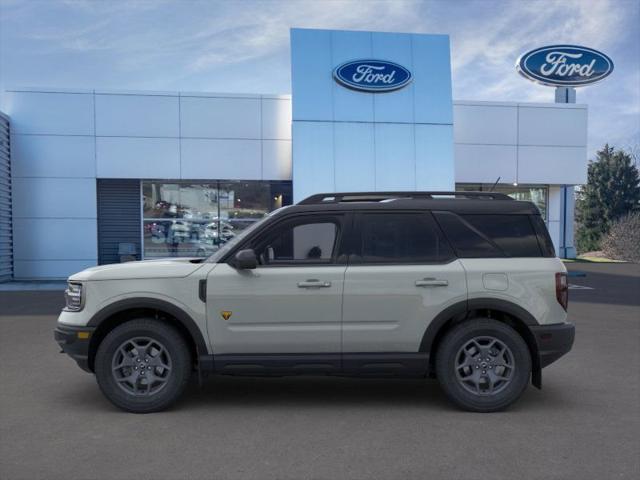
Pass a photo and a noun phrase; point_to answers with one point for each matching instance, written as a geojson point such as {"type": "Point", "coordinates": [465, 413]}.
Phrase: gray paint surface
{"type": "Point", "coordinates": [55, 423]}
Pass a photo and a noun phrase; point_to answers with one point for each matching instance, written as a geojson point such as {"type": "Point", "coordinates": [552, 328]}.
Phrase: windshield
{"type": "Point", "coordinates": [215, 258]}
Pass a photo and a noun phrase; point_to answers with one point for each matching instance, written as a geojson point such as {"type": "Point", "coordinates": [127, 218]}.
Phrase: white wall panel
{"type": "Point", "coordinates": [276, 159]}
{"type": "Point", "coordinates": [395, 158]}
{"type": "Point", "coordinates": [226, 159]}
{"type": "Point", "coordinates": [485, 124]}
{"type": "Point", "coordinates": [137, 115]}
{"type": "Point", "coordinates": [554, 204]}
{"type": "Point", "coordinates": [354, 157]}
{"type": "Point", "coordinates": [349, 105]}
{"type": "Point", "coordinates": [313, 166]}
{"type": "Point", "coordinates": [53, 156]}
{"type": "Point", "coordinates": [562, 126]}
{"type": "Point", "coordinates": [55, 239]}
{"type": "Point", "coordinates": [50, 113]}
{"type": "Point", "coordinates": [559, 165]}
{"type": "Point", "coordinates": [554, 233]}
{"type": "Point", "coordinates": [276, 119]}
{"type": "Point", "coordinates": [119, 157]}
{"type": "Point", "coordinates": [485, 163]}
{"type": "Point", "coordinates": [49, 269]}
{"type": "Point", "coordinates": [54, 197]}
{"type": "Point", "coordinates": [433, 143]}
{"type": "Point", "coordinates": [394, 106]}
{"type": "Point", "coordinates": [220, 117]}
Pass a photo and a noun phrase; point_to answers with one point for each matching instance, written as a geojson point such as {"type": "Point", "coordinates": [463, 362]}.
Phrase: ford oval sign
{"type": "Point", "coordinates": [372, 75]}
{"type": "Point", "coordinates": [564, 65]}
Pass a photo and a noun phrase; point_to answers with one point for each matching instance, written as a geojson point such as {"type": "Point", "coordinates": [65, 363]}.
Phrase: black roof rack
{"type": "Point", "coordinates": [326, 198]}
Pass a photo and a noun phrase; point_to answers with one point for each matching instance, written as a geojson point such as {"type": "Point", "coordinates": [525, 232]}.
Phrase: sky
{"type": "Point", "coordinates": [243, 46]}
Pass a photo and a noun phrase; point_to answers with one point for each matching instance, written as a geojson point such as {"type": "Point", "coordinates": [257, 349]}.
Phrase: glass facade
{"type": "Point", "coordinates": [194, 219]}
{"type": "Point", "coordinates": [538, 194]}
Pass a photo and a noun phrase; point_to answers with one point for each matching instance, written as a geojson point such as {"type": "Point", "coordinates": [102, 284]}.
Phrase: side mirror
{"type": "Point", "coordinates": [245, 260]}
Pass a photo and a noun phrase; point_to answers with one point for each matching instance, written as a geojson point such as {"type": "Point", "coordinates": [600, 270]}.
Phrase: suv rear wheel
{"type": "Point", "coordinates": [483, 365]}
{"type": "Point", "coordinates": [143, 365]}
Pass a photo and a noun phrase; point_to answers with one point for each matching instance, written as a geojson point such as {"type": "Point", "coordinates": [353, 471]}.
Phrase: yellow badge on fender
{"type": "Point", "coordinates": [226, 314]}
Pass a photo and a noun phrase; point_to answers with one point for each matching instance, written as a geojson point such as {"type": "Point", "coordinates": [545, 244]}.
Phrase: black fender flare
{"type": "Point", "coordinates": [459, 311]}
{"type": "Point", "coordinates": [154, 304]}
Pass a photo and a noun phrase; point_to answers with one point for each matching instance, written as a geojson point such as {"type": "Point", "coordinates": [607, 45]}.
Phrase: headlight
{"type": "Point", "coordinates": [73, 297]}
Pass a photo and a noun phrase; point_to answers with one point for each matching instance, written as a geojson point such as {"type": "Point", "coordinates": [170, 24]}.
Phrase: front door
{"type": "Point", "coordinates": [403, 274]}
{"type": "Point", "coordinates": [291, 303]}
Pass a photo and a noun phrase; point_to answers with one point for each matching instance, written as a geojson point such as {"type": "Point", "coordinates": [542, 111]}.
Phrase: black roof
{"type": "Point", "coordinates": [458, 202]}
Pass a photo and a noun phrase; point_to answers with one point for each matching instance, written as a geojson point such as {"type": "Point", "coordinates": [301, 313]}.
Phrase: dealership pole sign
{"type": "Point", "coordinates": [564, 66]}
{"type": "Point", "coordinates": [373, 76]}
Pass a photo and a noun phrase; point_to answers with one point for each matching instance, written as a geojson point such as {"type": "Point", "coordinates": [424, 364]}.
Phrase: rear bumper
{"type": "Point", "coordinates": [553, 341]}
{"type": "Point", "coordinates": [74, 345]}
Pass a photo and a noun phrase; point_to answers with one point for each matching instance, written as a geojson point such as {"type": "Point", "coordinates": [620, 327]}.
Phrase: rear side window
{"type": "Point", "coordinates": [513, 234]}
{"type": "Point", "coordinates": [467, 241]}
{"type": "Point", "coordinates": [484, 236]}
{"type": "Point", "coordinates": [397, 238]}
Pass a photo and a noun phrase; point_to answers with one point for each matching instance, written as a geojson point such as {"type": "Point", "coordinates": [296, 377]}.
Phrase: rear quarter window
{"type": "Point", "coordinates": [513, 234]}
{"type": "Point", "coordinates": [486, 236]}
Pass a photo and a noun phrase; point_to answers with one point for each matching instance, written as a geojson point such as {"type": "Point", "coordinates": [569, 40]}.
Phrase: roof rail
{"type": "Point", "coordinates": [324, 198]}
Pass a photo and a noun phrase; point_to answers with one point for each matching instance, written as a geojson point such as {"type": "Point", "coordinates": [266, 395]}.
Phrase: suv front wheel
{"type": "Point", "coordinates": [143, 365]}
{"type": "Point", "coordinates": [483, 365]}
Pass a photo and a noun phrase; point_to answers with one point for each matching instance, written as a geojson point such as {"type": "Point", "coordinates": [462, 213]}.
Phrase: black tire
{"type": "Point", "coordinates": [174, 378]}
{"type": "Point", "coordinates": [453, 364]}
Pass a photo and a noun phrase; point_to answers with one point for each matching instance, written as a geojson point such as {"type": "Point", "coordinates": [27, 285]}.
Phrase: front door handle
{"type": "Point", "coordinates": [313, 283]}
{"type": "Point", "coordinates": [431, 282]}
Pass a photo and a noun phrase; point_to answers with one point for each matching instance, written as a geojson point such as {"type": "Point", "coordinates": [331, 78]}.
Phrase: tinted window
{"type": "Point", "coordinates": [466, 240]}
{"type": "Point", "coordinates": [402, 238]}
{"type": "Point", "coordinates": [513, 234]}
{"type": "Point", "coordinates": [299, 242]}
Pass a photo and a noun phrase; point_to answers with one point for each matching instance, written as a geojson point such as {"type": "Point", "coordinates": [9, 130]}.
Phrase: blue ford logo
{"type": "Point", "coordinates": [372, 75]}
{"type": "Point", "coordinates": [564, 65]}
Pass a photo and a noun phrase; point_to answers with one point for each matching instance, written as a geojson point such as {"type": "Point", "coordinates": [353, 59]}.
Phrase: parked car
{"type": "Point", "coordinates": [463, 287]}
{"type": "Point", "coordinates": [219, 231]}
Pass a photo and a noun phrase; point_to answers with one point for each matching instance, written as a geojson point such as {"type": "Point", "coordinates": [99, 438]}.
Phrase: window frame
{"type": "Point", "coordinates": [356, 243]}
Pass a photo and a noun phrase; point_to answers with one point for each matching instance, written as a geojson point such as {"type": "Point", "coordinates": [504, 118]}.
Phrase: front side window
{"type": "Point", "coordinates": [409, 238]}
{"type": "Point", "coordinates": [301, 242]}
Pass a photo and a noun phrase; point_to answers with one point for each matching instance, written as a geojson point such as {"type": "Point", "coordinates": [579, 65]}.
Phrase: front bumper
{"type": "Point", "coordinates": [553, 341]}
{"type": "Point", "coordinates": [74, 341]}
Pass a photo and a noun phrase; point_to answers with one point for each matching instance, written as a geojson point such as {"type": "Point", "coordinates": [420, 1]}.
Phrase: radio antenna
{"type": "Point", "coordinates": [494, 185]}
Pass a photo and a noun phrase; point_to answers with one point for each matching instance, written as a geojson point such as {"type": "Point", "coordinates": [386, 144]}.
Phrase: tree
{"type": "Point", "coordinates": [612, 190]}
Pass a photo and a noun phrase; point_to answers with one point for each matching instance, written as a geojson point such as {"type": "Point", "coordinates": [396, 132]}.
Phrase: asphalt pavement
{"type": "Point", "coordinates": [583, 424]}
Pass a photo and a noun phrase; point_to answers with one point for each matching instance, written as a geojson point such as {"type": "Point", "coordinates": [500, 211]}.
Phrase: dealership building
{"type": "Point", "coordinates": [89, 177]}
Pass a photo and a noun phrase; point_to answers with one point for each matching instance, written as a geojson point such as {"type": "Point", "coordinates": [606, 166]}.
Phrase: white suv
{"type": "Point", "coordinates": [464, 287]}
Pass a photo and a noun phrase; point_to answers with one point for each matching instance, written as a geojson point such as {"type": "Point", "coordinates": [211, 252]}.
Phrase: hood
{"type": "Point", "coordinates": [165, 268]}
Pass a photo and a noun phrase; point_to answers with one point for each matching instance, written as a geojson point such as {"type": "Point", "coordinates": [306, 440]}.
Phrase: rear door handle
{"type": "Point", "coordinates": [431, 282]}
{"type": "Point", "coordinates": [313, 283]}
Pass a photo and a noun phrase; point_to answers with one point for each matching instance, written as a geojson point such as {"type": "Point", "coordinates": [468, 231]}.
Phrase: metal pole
{"type": "Point", "coordinates": [567, 250]}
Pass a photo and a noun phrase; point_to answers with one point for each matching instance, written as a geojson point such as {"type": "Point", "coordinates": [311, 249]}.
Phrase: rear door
{"type": "Point", "coordinates": [403, 273]}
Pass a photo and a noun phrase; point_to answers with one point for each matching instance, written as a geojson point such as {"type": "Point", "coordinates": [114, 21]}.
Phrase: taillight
{"type": "Point", "coordinates": [562, 289]}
